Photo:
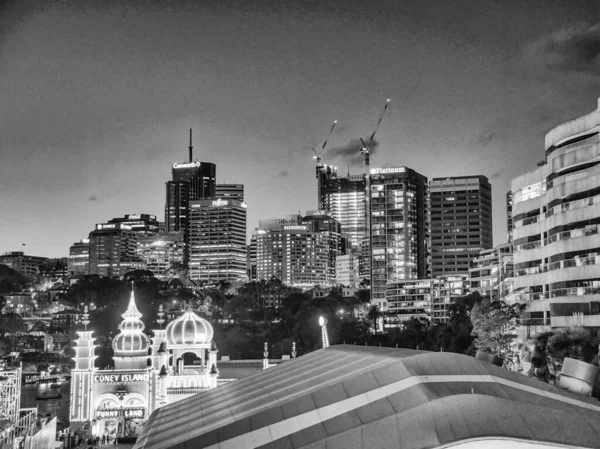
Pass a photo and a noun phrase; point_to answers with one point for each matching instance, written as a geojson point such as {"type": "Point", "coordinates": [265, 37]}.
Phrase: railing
{"type": "Point", "coordinates": [528, 245]}
{"type": "Point", "coordinates": [526, 221]}
{"type": "Point", "coordinates": [575, 262]}
{"type": "Point", "coordinates": [522, 297]}
{"type": "Point", "coordinates": [577, 204]}
{"type": "Point", "coordinates": [188, 390]}
{"type": "Point", "coordinates": [528, 270]}
{"type": "Point", "coordinates": [561, 236]}
{"type": "Point", "coordinates": [575, 291]}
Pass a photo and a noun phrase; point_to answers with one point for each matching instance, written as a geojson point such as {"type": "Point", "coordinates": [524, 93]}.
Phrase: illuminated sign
{"type": "Point", "coordinates": [382, 171]}
{"type": "Point", "coordinates": [220, 202]}
{"type": "Point", "coordinates": [187, 165]}
{"type": "Point", "coordinates": [295, 228]}
{"type": "Point", "coordinates": [106, 378]}
{"type": "Point", "coordinates": [134, 216]}
{"type": "Point", "coordinates": [113, 226]}
{"type": "Point", "coordinates": [109, 413]}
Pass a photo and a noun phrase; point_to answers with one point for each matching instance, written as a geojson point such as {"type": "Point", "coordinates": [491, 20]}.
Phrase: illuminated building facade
{"type": "Point", "coordinates": [230, 191]}
{"type": "Point", "coordinates": [346, 270]}
{"type": "Point", "coordinates": [113, 249]}
{"type": "Point", "coordinates": [509, 224]}
{"type": "Point", "coordinates": [119, 400]}
{"type": "Point", "coordinates": [217, 242]}
{"type": "Point", "coordinates": [324, 223]}
{"type": "Point", "coordinates": [161, 252]}
{"type": "Point", "coordinates": [556, 230]}
{"type": "Point", "coordinates": [190, 181]}
{"type": "Point", "coordinates": [400, 229]}
{"type": "Point", "coordinates": [141, 224]}
{"type": "Point", "coordinates": [491, 272]}
{"type": "Point", "coordinates": [79, 258]}
{"type": "Point", "coordinates": [424, 298]}
{"type": "Point", "coordinates": [292, 252]}
{"type": "Point", "coordinates": [344, 198]}
{"type": "Point", "coordinates": [461, 222]}
{"type": "Point", "coordinates": [19, 261]}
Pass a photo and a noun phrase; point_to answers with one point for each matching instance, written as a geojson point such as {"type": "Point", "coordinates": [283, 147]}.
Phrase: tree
{"type": "Point", "coordinates": [374, 314]}
{"type": "Point", "coordinates": [11, 280]}
{"type": "Point", "coordinates": [11, 323]}
{"type": "Point", "coordinates": [139, 276]}
{"type": "Point", "coordinates": [494, 324]}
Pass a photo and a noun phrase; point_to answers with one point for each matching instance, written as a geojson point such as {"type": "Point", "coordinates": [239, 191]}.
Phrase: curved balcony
{"type": "Point", "coordinates": [575, 291]}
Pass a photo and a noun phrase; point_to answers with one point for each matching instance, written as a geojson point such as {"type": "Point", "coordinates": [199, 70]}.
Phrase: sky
{"type": "Point", "coordinates": [96, 98]}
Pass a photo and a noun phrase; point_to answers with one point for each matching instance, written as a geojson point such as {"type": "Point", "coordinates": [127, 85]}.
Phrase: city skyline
{"type": "Point", "coordinates": [98, 100]}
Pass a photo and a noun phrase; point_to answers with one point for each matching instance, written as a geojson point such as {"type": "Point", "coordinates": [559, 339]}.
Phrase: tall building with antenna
{"type": "Point", "coordinates": [191, 181]}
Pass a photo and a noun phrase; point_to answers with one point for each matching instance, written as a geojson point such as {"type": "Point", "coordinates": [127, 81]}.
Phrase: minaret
{"type": "Point", "coordinates": [212, 365]}
{"type": "Point", "coordinates": [131, 344]}
{"type": "Point", "coordinates": [82, 374]}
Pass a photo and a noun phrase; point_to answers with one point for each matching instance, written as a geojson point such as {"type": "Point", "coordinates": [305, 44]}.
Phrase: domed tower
{"type": "Point", "coordinates": [189, 334]}
{"type": "Point", "coordinates": [131, 344]}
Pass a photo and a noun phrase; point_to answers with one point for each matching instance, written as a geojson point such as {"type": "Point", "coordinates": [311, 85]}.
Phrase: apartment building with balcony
{"type": "Point", "coordinates": [556, 224]}
{"type": "Point", "coordinates": [491, 272]}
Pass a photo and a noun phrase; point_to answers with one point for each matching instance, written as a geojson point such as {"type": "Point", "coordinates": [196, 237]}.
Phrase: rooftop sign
{"type": "Point", "coordinates": [187, 165]}
{"type": "Point", "coordinates": [220, 202]}
{"type": "Point", "coordinates": [383, 171]}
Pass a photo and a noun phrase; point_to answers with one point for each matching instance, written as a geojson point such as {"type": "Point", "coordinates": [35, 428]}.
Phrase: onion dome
{"type": "Point", "coordinates": [131, 341]}
{"type": "Point", "coordinates": [189, 329]}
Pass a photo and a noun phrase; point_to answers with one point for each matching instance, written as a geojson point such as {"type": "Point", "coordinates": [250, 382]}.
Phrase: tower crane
{"type": "Point", "coordinates": [319, 169]}
{"type": "Point", "coordinates": [319, 156]}
{"type": "Point", "coordinates": [365, 151]}
{"type": "Point", "coordinates": [364, 148]}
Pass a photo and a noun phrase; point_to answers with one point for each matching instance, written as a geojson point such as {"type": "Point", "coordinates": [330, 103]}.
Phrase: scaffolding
{"type": "Point", "coordinates": [10, 403]}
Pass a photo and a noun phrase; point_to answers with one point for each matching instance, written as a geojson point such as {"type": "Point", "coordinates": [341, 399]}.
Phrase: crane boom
{"type": "Point", "coordinates": [380, 119]}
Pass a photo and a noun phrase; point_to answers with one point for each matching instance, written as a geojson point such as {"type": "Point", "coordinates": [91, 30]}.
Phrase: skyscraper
{"type": "Point", "coordinates": [79, 257]}
{"type": "Point", "coordinates": [344, 198]}
{"type": "Point", "coordinates": [400, 229]}
{"type": "Point", "coordinates": [191, 181]}
{"type": "Point", "coordinates": [230, 191]}
{"type": "Point", "coordinates": [461, 222]}
{"type": "Point", "coordinates": [556, 230]}
{"type": "Point", "coordinates": [509, 223]}
{"type": "Point", "coordinates": [113, 250]}
{"type": "Point", "coordinates": [141, 224]}
{"type": "Point", "coordinates": [217, 242]}
{"type": "Point", "coordinates": [293, 252]}
{"type": "Point", "coordinates": [162, 253]}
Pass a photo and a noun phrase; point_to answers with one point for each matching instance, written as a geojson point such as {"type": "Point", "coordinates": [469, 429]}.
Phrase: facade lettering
{"type": "Point", "coordinates": [106, 378]}
{"type": "Point", "coordinates": [381, 171]}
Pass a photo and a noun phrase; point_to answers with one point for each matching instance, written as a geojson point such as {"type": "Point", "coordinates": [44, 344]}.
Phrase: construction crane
{"type": "Point", "coordinates": [365, 151]}
{"type": "Point", "coordinates": [320, 167]}
{"type": "Point", "coordinates": [364, 147]}
{"type": "Point", "coordinates": [319, 156]}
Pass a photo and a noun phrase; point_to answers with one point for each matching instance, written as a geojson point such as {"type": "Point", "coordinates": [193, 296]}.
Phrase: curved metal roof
{"type": "Point", "coordinates": [373, 397]}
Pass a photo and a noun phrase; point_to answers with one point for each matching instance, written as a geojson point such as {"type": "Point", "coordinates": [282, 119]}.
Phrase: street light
{"type": "Point", "coordinates": [324, 337]}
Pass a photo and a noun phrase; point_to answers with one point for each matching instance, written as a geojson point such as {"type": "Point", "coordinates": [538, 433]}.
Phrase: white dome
{"type": "Point", "coordinates": [189, 329]}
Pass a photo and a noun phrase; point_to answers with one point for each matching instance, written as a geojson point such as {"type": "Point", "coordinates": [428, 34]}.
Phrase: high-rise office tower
{"type": "Point", "coordinates": [18, 261]}
{"type": "Point", "coordinates": [230, 191]}
{"type": "Point", "coordinates": [461, 222]}
{"type": "Point", "coordinates": [217, 242]}
{"type": "Point", "coordinates": [162, 252]}
{"type": "Point", "coordinates": [400, 229]}
{"type": "Point", "coordinates": [79, 258]}
{"type": "Point", "coordinates": [556, 230]}
{"type": "Point", "coordinates": [292, 252]}
{"type": "Point", "coordinates": [141, 224]}
{"type": "Point", "coordinates": [319, 221]}
{"type": "Point", "coordinates": [191, 181]}
{"type": "Point", "coordinates": [344, 198]}
{"type": "Point", "coordinates": [113, 250]}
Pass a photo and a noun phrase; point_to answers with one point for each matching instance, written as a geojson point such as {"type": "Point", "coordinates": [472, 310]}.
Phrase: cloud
{"type": "Point", "coordinates": [569, 49]}
{"type": "Point", "coordinates": [282, 174]}
{"type": "Point", "coordinates": [484, 139]}
{"type": "Point", "coordinates": [497, 174]}
{"type": "Point", "coordinates": [350, 152]}
{"type": "Point", "coordinates": [92, 198]}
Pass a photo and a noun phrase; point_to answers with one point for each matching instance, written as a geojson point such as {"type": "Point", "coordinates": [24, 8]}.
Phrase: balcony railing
{"type": "Point", "coordinates": [578, 204]}
{"type": "Point", "coordinates": [575, 291]}
{"type": "Point", "coordinates": [575, 262]}
{"type": "Point", "coordinates": [561, 236]}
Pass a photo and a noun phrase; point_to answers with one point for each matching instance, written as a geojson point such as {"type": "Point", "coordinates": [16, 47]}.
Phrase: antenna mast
{"type": "Point", "coordinates": [191, 147]}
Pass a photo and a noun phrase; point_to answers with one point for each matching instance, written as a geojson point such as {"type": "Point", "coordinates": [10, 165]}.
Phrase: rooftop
{"type": "Point", "coordinates": [372, 397]}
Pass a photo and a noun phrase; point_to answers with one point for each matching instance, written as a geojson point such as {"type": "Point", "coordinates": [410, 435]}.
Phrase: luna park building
{"type": "Point", "coordinates": [147, 374]}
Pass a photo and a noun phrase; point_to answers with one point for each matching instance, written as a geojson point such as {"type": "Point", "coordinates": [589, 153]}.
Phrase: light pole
{"type": "Point", "coordinates": [325, 338]}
